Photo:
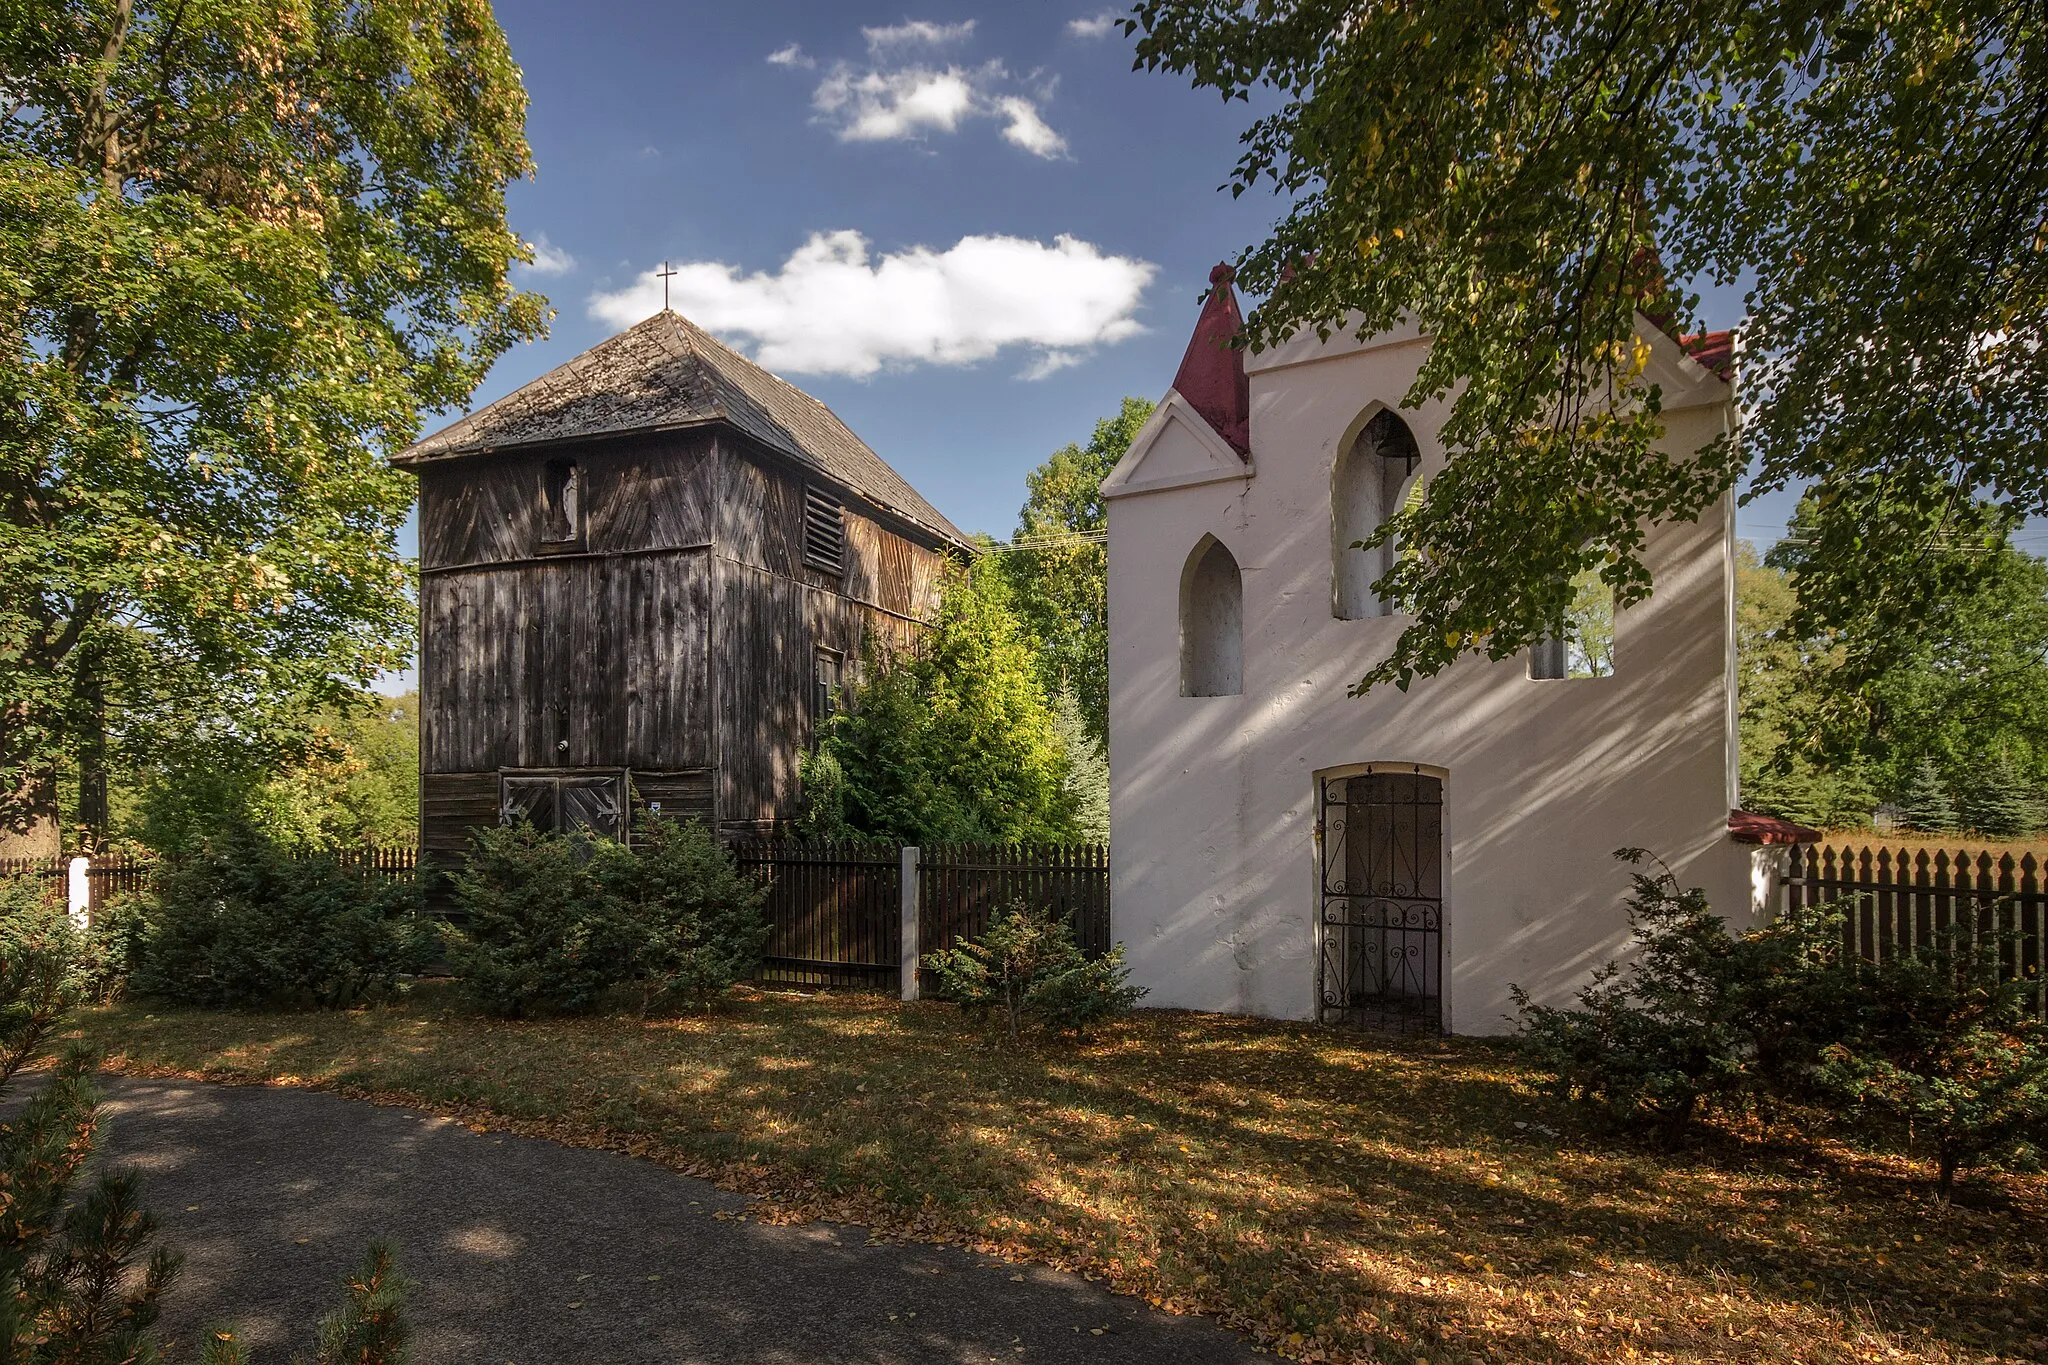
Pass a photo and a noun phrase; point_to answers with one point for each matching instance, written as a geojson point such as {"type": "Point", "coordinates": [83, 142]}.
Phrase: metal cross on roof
{"type": "Point", "coordinates": [667, 273]}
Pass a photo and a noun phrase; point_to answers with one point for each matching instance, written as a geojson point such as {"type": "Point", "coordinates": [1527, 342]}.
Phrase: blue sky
{"type": "Point", "coordinates": [668, 133]}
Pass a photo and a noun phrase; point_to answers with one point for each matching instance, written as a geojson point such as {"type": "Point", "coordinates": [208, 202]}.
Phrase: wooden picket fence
{"type": "Point", "coordinates": [962, 886]}
{"type": "Point", "coordinates": [834, 910]}
{"type": "Point", "coordinates": [1902, 899]}
{"type": "Point", "coordinates": [119, 874]}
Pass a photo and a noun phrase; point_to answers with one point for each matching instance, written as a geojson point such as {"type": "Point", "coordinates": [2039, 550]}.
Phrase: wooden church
{"type": "Point", "coordinates": [644, 577]}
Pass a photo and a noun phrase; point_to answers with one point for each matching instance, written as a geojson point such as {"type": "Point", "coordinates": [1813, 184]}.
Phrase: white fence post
{"type": "Point", "coordinates": [910, 899]}
{"type": "Point", "coordinates": [79, 886]}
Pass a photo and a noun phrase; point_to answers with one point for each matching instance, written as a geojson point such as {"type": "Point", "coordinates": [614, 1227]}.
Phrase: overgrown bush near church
{"type": "Point", "coordinates": [245, 923]}
{"type": "Point", "coordinates": [954, 739]}
{"type": "Point", "coordinates": [1028, 967]}
{"type": "Point", "coordinates": [560, 924]}
{"type": "Point", "coordinates": [1934, 1047]}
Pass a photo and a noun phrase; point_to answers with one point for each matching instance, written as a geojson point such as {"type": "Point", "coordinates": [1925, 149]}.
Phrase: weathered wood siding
{"type": "Point", "coordinates": [639, 493]}
{"type": "Point", "coordinates": [585, 661]}
{"type": "Point", "coordinates": [772, 612]}
{"type": "Point", "coordinates": [676, 642]}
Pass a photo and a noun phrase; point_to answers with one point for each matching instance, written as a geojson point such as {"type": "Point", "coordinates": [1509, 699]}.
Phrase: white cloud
{"type": "Point", "coordinates": [898, 96]}
{"type": "Point", "coordinates": [1100, 26]}
{"type": "Point", "coordinates": [1027, 130]}
{"type": "Point", "coordinates": [832, 308]}
{"type": "Point", "coordinates": [915, 32]}
{"type": "Point", "coordinates": [879, 106]}
{"type": "Point", "coordinates": [548, 259]}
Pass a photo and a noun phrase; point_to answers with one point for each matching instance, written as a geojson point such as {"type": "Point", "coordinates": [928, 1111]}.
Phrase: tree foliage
{"type": "Point", "coordinates": [1525, 180]}
{"type": "Point", "coordinates": [1954, 711]}
{"type": "Point", "coordinates": [951, 739]}
{"type": "Point", "coordinates": [244, 245]}
{"type": "Point", "coordinates": [1060, 582]}
{"type": "Point", "coordinates": [335, 777]}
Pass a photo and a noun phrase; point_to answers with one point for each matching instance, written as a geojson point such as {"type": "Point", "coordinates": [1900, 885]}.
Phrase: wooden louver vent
{"type": "Point", "coordinates": [824, 531]}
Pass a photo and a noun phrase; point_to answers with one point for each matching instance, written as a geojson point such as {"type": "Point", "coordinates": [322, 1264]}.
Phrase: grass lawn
{"type": "Point", "coordinates": [1341, 1198]}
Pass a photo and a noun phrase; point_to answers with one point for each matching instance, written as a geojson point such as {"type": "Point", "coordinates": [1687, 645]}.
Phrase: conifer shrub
{"type": "Point", "coordinates": [82, 1278]}
{"type": "Point", "coordinates": [244, 923]}
{"type": "Point", "coordinates": [560, 923]}
{"type": "Point", "coordinates": [1027, 967]}
{"type": "Point", "coordinates": [1924, 805]}
{"type": "Point", "coordinates": [1997, 802]}
{"type": "Point", "coordinates": [1941, 1047]}
{"type": "Point", "coordinates": [1933, 1044]}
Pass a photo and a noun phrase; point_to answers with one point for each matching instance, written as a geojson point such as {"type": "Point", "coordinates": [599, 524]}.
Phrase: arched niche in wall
{"type": "Point", "coordinates": [1211, 622]}
{"type": "Point", "coordinates": [1374, 474]}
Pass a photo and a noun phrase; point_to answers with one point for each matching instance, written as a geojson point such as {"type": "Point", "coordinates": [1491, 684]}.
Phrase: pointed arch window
{"type": "Point", "coordinates": [1374, 476]}
{"type": "Point", "coordinates": [1211, 622]}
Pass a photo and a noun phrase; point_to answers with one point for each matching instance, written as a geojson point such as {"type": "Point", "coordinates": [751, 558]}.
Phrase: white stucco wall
{"type": "Point", "coordinates": [1213, 799]}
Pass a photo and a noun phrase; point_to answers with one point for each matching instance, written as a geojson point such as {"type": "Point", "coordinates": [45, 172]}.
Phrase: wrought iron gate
{"type": "Point", "coordinates": [1381, 908]}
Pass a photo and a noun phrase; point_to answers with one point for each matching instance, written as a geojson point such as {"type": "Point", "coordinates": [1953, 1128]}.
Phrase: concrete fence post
{"type": "Point", "coordinates": [911, 865]}
{"type": "Point", "coordinates": [79, 888]}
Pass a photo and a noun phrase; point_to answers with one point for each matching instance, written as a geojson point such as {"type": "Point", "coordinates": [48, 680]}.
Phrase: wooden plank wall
{"type": "Point", "coordinates": [639, 493]}
{"type": "Point", "coordinates": [605, 656]}
{"type": "Point", "coordinates": [771, 612]}
{"type": "Point", "coordinates": [681, 638]}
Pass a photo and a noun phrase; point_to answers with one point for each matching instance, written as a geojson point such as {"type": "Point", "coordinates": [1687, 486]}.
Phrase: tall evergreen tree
{"type": "Point", "coordinates": [1924, 805]}
{"type": "Point", "coordinates": [952, 739]}
{"type": "Point", "coordinates": [1996, 802]}
{"type": "Point", "coordinates": [1061, 580]}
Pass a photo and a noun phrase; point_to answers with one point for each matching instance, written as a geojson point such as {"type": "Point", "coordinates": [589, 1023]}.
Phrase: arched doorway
{"type": "Point", "coordinates": [1380, 907]}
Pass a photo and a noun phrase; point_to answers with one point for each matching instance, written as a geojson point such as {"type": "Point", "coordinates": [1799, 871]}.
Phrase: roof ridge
{"type": "Point", "coordinates": [666, 372]}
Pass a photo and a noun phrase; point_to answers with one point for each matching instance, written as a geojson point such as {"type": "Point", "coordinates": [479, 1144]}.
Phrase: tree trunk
{"type": "Point", "coordinates": [31, 829]}
{"type": "Point", "coordinates": [1947, 1158]}
{"type": "Point", "coordinates": [92, 766]}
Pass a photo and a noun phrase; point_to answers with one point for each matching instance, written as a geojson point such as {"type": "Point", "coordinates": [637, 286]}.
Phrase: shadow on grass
{"type": "Point", "coordinates": [1373, 1197]}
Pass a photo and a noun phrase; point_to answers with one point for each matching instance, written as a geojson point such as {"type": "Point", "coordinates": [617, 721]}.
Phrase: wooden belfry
{"type": "Point", "coordinates": [634, 573]}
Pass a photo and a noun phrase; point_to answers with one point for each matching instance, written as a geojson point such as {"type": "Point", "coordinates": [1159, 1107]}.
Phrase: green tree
{"type": "Point", "coordinates": [244, 245]}
{"type": "Point", "coordinates": [1996, 801]}
{"type": "Point", "coordinates": [1923, 801]}
{"type": "Point", "coordinates": [1832, 717]}
{"type": "Point", "coordinates": [952, 739]}
{"type": "Point", "coordinates": [1526, 180]}
{"type": "Point", "coordinates": [1060, 580]}
{"type": "Point", "coordinates": [333, 778]}
{"type": "Point", "coordinates": [1087, 770]}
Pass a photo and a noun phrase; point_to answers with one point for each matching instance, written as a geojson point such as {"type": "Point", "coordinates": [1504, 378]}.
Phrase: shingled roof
{"type": "Point", "coordinates": [668, 372]}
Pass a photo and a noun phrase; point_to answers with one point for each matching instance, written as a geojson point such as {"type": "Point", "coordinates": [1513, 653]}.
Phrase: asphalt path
{"type": "Point", "coordinates": [529, 1253]}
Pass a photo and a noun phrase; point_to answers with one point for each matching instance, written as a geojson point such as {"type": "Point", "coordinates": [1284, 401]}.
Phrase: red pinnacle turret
{"type": "Point", "coordinates": [1211, 376]}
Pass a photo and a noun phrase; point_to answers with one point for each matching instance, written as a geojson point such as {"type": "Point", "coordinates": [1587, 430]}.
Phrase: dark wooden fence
{"type": "Point", "coordinates": [835, 911]}
{"type": "Point", "coordinates": [107, 876]}
{"type": "Point", "coordinates": [120, 874]}
{"type": "Point", "coordinates": [1900, 899]}
{"type": "Point", "coordinates": [961, 886]}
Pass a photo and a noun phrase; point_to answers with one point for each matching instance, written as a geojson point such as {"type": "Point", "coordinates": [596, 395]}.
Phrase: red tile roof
{"type": "Point", "coordinates": [1714, 350]}
{"type": "Point", "coordinates": [1748, 827]}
